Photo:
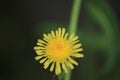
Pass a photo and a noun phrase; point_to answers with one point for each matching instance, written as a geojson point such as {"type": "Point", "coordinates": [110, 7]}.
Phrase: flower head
{"type": "Point", "coordinates": [57, 50]}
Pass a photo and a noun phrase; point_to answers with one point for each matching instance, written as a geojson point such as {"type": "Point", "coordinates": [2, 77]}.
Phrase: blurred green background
{"type": "Point", "coordinates": [22, 22]}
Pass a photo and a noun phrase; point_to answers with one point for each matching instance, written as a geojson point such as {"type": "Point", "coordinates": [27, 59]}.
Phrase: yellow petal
{"type": "Point", "coordinates": [49, 36]}
{"type": "Point", "coordinates": [45, 36]}
{"type": "Point", "coordinates": [52, 66]}
{"type": "Point", "coordinates": [47, 40]}
{"type": "Point", "coordinates": [66, 35]}
{"type": "Point", "coordinates": [43, 60]}
{"type": "Point", "coordinates": [41, 41]}
{"type": "Point", "coordinates": [74, 42]}
{"type": "Point", "coordinates": [71, 36]}
{"type": "Point", "coordinates": [40, 44]}
{"type": "Point", "coordinates": [53, 34]}
{"type": "Point", "coordinates": [38, 57]}
{"type": "Point", "coordinates": [70, 65]}
{"type": "Point", "coordinates": [75, 38]}
{"type": "Point", "coordinates": [78, 50]}
{"type": "Point", "coordinates": [56, 33]}
{"type": "Point", "coordinates": [38, 48]}
{"type": "Point", "coordinates": [39, 52]}
{"type": "Point", "coordinates": [46, 64]}
{"type": "Point", "coordinates": [58, 68]}
{"type": "Point", "coordinates": [64, 67]}
{"type": "Point", "coordinates": [59, 31]}
{"type": "Point", "coordinates": [63, 32]}
{"type": "Point", "coordinates": [77, 45]}
{"type": "Point", "coordinates": [77, 55]}
{"type": "Point", "coordinates": [72, 61]}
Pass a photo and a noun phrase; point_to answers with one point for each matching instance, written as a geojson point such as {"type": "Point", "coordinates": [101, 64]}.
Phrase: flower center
{"type": "Point", "coordinates": [58, 49]}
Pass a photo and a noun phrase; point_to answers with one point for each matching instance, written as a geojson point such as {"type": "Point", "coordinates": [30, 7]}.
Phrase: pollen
{"type": "Point", "coordinates": [57, 50]}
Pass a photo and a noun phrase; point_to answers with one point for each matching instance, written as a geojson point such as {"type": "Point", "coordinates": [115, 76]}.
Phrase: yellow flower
{"type": "Point", "coordinates": [57, 50]}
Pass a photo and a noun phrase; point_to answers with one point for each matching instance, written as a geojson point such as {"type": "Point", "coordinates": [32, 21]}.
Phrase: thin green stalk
{"type": "Point", "coordinates": [73, 25]}
{"type": "Point", "coordinates": [74, 16]}
{"type": "Point", "coordinates": [60, 77]}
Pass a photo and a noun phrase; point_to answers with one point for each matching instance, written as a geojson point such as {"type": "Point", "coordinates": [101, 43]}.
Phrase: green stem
{"type": "Point", "coordinates": [60, 77]}
{"type": "Point", "coordinates": [68, 75]}
{"type": "Point", "coordinates": [73, 25]}
{"type": "Point", "coordinates": [74, 16]}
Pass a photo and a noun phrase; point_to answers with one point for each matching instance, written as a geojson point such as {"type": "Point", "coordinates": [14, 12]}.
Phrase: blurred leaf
{"type": "Point", "coordinates": [98, 11]}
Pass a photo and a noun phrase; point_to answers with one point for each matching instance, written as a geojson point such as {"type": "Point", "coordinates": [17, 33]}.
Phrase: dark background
{"type": "Point", "coordinates": [19, 20]}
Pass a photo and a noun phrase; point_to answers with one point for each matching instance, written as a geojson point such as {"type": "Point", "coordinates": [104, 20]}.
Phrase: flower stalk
{"type": "Point", "coordinates": [74, 16]}
{"type": "Point", "coordinates": [73, 24]}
